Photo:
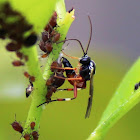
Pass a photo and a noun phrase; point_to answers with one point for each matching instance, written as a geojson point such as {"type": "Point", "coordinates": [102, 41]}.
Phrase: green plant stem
{"type": "Point", "coordinates": [40, 88]}
{"type": "Point", "coordinates": [61, 10]}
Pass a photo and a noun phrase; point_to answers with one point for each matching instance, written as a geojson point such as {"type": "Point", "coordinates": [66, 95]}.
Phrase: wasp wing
{"type": "Point", "coordinates": [90, 96]}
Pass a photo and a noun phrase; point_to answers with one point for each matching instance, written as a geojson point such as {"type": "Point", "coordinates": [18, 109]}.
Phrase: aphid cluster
{"type": "Point", "coordinates": [34, 134]}
{"type": "Point", "coordinates": [49, 36]}
{"type": "Point", "coordinates": [13, 25]}
{"type": "Point", "coordinates": [31, 78]}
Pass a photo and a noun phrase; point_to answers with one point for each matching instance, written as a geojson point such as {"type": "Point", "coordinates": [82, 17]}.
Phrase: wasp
{"type": "Point", "coordinates": [80, 75]}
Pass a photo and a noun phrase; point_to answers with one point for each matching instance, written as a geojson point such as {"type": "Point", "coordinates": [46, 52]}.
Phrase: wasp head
{"type": "Point", "coordinates": [85, 60]}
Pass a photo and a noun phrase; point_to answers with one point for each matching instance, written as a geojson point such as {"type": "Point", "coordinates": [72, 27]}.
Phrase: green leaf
{"type": "Point", "coordinates": [123, 100]}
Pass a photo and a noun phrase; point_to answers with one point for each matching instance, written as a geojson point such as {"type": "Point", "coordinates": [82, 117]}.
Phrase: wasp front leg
{"type": "Point", "coordinates": [69, 79]}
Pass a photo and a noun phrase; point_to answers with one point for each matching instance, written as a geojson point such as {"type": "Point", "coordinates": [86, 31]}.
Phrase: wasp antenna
{"type": "Point", "coordinates": [90, 34]}
{"type": "Point", "coordinates": [74, 40]}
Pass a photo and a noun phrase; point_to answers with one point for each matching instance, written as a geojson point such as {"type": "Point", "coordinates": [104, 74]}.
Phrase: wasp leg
{"type": "Point", "coordinates": [62, 99]}
{"type": "Point", "coordinates": [44, 103]}
{"type": "Point", "coordinates": [66, 68]}
{"type": "Point", "coordinates": [73, 57]}
{"type": "Point", "coordinates": [68, 89]}
{"type": "Point", "coordinates": [68, 99]}
{"type": "Point", "coordinates": [69, 79]}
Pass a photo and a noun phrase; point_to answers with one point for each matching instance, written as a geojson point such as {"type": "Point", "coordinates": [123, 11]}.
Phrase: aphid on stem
{"type": "Point", "coordinates": [26, 74]}
{"type": "Point", "coordinates": [56, 37]}
{"type": "Point", "coordinates": [45, 36]}
{"type": "Point", "coordinates": [29, 89]}
{"type": "Point", "coordinates": [32, 78]}
{"type": "Point", "coordinates": [19, 54]}
{"type": "Point", "coordinates": [35, 135]}
{"type": "Point", "coordinates": [17, 126]}
{"type": "Point", "coordinates": [52, 23]}
{"type": "Point", "coordinates": [17, 63]}
{"type": "Point", "coordinates": [32, 125]}
{"type": "Point", "coordinates": [27, 136]}
{"type": "Point", "coordinates": [13, 46]}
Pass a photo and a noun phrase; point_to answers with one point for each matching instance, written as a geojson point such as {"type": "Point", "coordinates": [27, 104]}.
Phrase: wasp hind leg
{"type": "Point", "coordinates": [66, 89]}
{"type": "Point", "coordinates": [68, 99]}
{"type": "Point", "coordinates": [59, 99]}
{"type": "Point", "coordinates": [63, 99]}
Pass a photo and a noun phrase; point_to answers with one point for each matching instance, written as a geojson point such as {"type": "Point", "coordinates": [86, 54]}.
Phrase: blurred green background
{"type": "Point", "coordinates": [65, 120]}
